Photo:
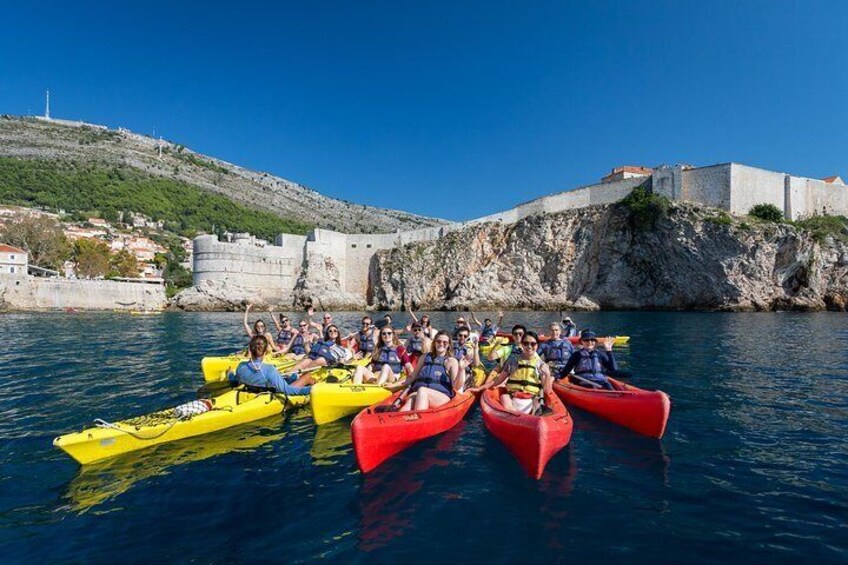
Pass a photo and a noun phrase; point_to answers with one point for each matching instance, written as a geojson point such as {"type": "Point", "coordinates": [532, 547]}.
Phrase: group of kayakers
{"type": "Point", "coordinates": [430, 366]}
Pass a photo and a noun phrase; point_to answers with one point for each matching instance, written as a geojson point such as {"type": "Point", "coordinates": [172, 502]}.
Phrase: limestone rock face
{"type": "Point", "coordinates": [216, 296]}
{"type": "Point", "coordinates": [595, 258]}
{"type": "Point", "coordinates": [319, 285]}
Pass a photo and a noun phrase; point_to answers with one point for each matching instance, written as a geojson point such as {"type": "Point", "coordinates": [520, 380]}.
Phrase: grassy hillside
{"type": "Point", "coordinates": [108, 189]}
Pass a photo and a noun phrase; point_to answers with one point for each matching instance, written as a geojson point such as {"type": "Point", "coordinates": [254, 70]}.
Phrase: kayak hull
{"type": "Point", "coordinates": [643, 411]}
{"type": "Point", "coordinates": [533, 440]}
{"type": "Point", "coordinates": [333, 401]}
{"type": "Point", "coordinates": [230, 409]}
{"type": "Point", "coordinates": [215, 369]}
{"type": "Point", "coordinates": [378, 436]}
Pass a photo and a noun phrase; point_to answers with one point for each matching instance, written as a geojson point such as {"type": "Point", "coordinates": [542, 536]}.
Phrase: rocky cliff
{"type": "Point", "coordinates": [600, 258]}
{"type": "Point", "coordinates": [30, 138]}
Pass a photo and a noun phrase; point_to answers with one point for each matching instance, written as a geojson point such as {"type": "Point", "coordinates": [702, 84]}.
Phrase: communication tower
{"type": "Point", "coordinates": [47, 105]}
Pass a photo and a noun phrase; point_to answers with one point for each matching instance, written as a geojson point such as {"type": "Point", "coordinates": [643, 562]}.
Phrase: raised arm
{"type": "Point", "coordinates": [500, 318]}
{"type": "Point", "coordinates": [476, 321]}
{"type": "Point", "coordinates": [274, 319]}
{"type": "Point", "coordinates": [247, 329]}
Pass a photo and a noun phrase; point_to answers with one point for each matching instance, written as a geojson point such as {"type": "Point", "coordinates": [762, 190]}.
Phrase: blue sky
{"type": "Point", "coordinates": [451, 109]}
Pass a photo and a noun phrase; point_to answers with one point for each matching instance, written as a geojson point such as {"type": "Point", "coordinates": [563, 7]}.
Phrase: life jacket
{"type": "Point", "coordinates": [328, 350]}
{"type": "Point", "coordinates": [284, 337]}
{"type": "Point", "coordinates": [589, 366]}
{"type": "Point", "coordinates": [366, 341]}
{"type": "Point", "coordinates": [569, 330]}
{"type": "Point", "coordinates": [434, 375]}
{"type": "Point", "coordinates": [297, 345]}
{"type": "Point", "coordinates": [388, 356]}
{"type": "Point", "coordinates": [526, 376]}
{"type": "Point", "coordinates": [415, 345]}
{"type": "Point", "coordinates": [557, 351]}
{"type": "Point", "coordinates": [488, 332]}
{"type": "Point", "coordinates": [460, 352]}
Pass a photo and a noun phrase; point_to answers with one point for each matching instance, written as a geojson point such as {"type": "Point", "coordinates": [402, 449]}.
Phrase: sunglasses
{"type": "Point", "coordinates": [416, 330]}
{"type": "Point", "coordinates": [460, 321]}
{"type": "Point", "coordinates": [327, 318]}
{"type": "Point", "coordinates": [441, 342]}
{"type": "Point", "coordinates": [462, 336]}
{"type": "Point", "coordinates": [529, 343]}
{"type": "Point", "coordinates": [302, 325]}
{"type": "Point", "coordinates": [386, 333]}
{"type": "Point", "coordinates": [366, 323]}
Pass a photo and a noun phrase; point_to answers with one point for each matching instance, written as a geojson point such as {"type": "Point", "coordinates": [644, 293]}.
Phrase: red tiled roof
{"type": "Point", "coordinates": [831, 179]}
{"type": "Point", "coordinates": [9, 249]}
{"type": "Point", "coordinates": [632, 169]}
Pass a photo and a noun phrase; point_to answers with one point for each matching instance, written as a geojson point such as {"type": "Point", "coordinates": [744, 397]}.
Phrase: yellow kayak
{"type": "Point", "coordinates": [332, 401]}
{"type": "Point", "coordinates": [216, 368]}
{"type": "Point", "coordinates": [234, 407]}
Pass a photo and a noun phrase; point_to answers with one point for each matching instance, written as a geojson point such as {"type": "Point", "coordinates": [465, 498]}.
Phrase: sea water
{"type": "Point", "coordinates": [753, 466]}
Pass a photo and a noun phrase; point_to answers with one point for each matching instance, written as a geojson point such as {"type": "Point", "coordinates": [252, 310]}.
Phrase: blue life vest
{"type": "Point", "coordinates": [589, 366]}
{"type": "Point", "coordinates": [284, 337]}
{"type": "Point", "coordinates": [388, 356]}
{"type": "Point", "coordinates": [326, 349]}
{"type": "Point", "coordinates": [415, 345]}
{"type": "Point", "coordinates": [460, 352]}
{"type": "Point", "coordinates": [297, 345]}
{"type": "Point", "coordinates": [488, 332]}
{"type": "Point", "coordinates": [557, 351]}
{"type": "Point", "coordinates": [434, 375]}
{"type": "Point", "coordinates": [366, 341]}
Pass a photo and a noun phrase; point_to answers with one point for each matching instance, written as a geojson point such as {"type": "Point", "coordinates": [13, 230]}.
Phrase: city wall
{"type": "Point", "coordinates": [273, 270]}
{"type": "Point", "coordinates": [33, 293]}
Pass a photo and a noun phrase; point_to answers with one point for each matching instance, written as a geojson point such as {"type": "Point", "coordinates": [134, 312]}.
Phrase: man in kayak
{"type": "Point", "coordinates": [259, 329]}
{"type": "Point", "coordinates": [526, 376]}
{"type": "Point", "coordinates": [327, 321]}
{"type": "Point", "coordinates": [591, 366]}
{"type": "Point", "coordinates": [388, 360]}
{"type": "Point", "coordinates": [556, 351]}
{"type": "Point", "coordinates": [488, 329]}
{"type": "Point", "coordinates": [569, 328]}
{"type": "Point", "coordinates": [255, 374]}
{"type": "Point", "coordinates": [435, 379]}
{"type": "Point", "coordinates": [465, 351]}
{"type": "Point", "coordinates": [418, 343]}
{"type": "Point", "coordinates": [364, 338]}
{"type": "Point", "coordinates": [504, 352]}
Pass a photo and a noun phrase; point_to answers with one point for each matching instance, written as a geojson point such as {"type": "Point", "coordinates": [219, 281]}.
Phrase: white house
{"type": "Point", "coordinates": [13, 261]}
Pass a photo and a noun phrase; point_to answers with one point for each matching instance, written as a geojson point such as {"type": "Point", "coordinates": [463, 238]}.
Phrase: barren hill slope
{"type": "Point", "coordinates": [37, 139]}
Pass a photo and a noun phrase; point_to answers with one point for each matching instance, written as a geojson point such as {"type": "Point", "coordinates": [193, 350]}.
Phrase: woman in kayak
{"type": "Point", "coordinates": [488, 329]}
{"type": "Point", "coordinates": [526, 377]}
{"type": "Point", "coordinates": [258, 329]}
{"type": "Point", "coordinates": [418, 343]}
{"type": "Point", "coordinates": [569, 328]}
{"type": "Point", "coordinates": [388, 361]}
{"type": "Point", "coordinates": [556, 351]}
{"type": "Point", "coordinates": [428, 329]}
{"type": "Point", "coordinates": [436, 378]}
{"type": "Point", "coordinates": [258, 375]}
{"type": "Point", "coordinates": [325, 353]}
{"type": "Point", "coordinates": [298, 345]}
{"type": "Point", "coordinates": [364, 338]}
{"type": "Point", "coordinates": [591, 366]}
{"type": "Point", "coordinates": [285, 331]}
{"type": "Point", "coordinates": [501, 354]}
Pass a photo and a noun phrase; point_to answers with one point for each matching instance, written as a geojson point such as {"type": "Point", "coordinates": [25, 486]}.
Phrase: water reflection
{"type": "Point", "coordinates": [99, 483]}
{"type": "Point", "coordinates": [331, 442]}
{"type": "Point", "coordinates": [387, 500]}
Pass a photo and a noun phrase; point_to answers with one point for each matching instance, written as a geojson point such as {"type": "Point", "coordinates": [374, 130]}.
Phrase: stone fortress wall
{"type": "Point", "coordinates": [273, 270]}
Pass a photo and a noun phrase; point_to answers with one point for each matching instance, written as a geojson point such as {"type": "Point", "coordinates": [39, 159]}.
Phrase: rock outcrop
{"type": "Point", "coordinates": [596, 258]}
{"type": "Point", "coordinates": [319, 285]}
{"type": "Point", "coordinates": [216, 296]}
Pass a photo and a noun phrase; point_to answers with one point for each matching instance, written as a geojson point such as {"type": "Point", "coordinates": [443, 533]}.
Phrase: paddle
{"type": "Point", "coordinates": [587, 381]}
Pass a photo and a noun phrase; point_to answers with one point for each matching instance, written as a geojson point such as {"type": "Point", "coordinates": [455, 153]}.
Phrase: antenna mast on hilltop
{"type": "Point", "coordinates": [47, 106]}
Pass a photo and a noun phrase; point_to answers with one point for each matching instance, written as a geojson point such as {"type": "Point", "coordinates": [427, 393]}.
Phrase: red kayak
{"type": "Point", "coordinates": [532, 439]}
{"type": "Point", "coordinates": [643, 411]}
{"type": "Point", "coordinates": [378, 435]}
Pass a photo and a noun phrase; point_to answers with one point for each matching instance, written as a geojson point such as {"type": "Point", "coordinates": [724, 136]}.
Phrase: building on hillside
{"type": "Point", "coordinates": [74, 233]}
{"type": "Point", "coordinates": [144, 248]}
{"type": "Point", "coordinates": [99, 223]}
{"type": "Point", "coordinates": [627, 172]}
{"type": "Point", "coordinates": [13, 262]}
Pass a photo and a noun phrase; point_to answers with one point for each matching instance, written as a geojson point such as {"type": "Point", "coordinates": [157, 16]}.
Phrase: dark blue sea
{"type": "Point", "coordinates": [753, 467]}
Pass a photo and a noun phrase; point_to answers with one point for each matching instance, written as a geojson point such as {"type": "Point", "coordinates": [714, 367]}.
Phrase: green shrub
{"type": "Point", "coordinates": [722, 219]}
{"type": "Point", "coordinates": [823, 226]}
{"type": "Point", "coordinates": [646, 208]}
{"type": "Point", "coordinates": [745, 226]}
{"type": "Point", "coordinates": [767, 212]}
